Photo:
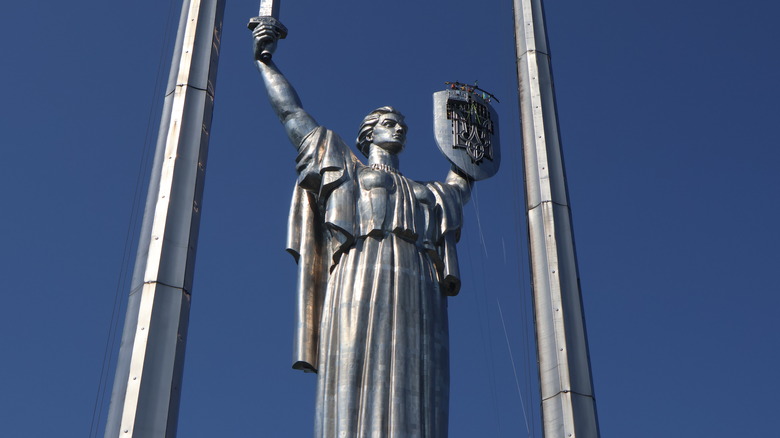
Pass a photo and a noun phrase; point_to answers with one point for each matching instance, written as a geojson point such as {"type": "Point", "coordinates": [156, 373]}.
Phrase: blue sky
{"type": "Point", "coordinates": [667, 113]}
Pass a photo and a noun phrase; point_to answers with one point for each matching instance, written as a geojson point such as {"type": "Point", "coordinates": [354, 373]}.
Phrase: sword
{"type": "Point", "coordinates": [268, 15]}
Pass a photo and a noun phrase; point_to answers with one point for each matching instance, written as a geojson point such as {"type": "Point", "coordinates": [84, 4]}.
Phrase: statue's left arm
{"type": "Point", "coordinates": [462, 183]}
{"type": "Point", "coordinates": [451, 195]}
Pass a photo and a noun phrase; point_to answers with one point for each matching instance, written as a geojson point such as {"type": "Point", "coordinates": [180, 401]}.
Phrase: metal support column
{"type": "Point", "coordinates": [568, 405]}
{"type": "Point", "coordinates": [147, 385]}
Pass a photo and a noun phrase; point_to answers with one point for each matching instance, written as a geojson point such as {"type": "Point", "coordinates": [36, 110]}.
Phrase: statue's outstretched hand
{"type": "Point", "coordinates": [264, 37]}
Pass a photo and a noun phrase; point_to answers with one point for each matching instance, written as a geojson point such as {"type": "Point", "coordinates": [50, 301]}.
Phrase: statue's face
{"type": "Point", "coordinates": [390, 133]}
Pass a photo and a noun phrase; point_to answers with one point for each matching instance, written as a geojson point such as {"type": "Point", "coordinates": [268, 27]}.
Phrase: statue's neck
{"type": "Point", "coordinates": [378, 155]}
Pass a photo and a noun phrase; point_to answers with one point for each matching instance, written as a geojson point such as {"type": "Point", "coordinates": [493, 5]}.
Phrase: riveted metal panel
{"type": "Point", "coordinates": [147, 385]}
{"type": "Point", "coordinates": [568, 404]}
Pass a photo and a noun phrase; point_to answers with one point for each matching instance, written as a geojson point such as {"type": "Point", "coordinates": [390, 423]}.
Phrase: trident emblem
{"type": "Point", "coordinates": [466, 129]}
{"type": "Point", "coordinates": [471, 129]}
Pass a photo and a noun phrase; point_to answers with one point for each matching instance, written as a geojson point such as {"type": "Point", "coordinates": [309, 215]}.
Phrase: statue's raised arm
{"type": "Point", "coordinates": [285, 101]}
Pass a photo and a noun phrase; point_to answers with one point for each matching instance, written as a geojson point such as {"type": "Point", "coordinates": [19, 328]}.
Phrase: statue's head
{"type": "Point", "coordinates": [391, 134]}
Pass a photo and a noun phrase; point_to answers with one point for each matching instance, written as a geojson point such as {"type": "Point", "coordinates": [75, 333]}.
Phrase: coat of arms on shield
{"type": "Point", "coordinates": [466, 129]}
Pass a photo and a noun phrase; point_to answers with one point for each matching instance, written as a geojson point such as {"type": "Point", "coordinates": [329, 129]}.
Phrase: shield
{"type": "Point", "coordinates": [466, 129]}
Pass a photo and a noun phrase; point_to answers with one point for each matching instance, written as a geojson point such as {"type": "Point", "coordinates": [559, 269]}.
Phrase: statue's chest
{"type": "Point", "coordinates": [392, 184]}
{"type": "Point", "coordinates": [392, 203]}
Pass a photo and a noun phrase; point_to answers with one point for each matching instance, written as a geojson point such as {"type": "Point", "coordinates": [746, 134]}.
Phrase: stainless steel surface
{"type": "Point", "coordinates": [568, 404]}
{"type": "Point", "coordinates": [147, 385]}
{"type": "Point", "coordinates": [465, 126]}
{"type": "Point", "coordinates": [376, 264]}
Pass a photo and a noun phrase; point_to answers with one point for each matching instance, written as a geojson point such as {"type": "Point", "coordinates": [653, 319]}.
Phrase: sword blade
{"type": "Point", "coordinates": [269, 8]}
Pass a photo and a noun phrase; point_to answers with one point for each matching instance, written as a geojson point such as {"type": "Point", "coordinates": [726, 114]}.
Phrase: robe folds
{"type": "Point", "coordinates": [376, 262]}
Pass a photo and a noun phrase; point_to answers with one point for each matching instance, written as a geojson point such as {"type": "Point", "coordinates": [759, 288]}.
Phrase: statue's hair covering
{"type": "Point", "coordinates": [363, 140]}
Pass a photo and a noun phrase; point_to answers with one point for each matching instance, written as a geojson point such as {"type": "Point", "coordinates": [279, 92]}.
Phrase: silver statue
{"type": "Point", "coordinates": [376, 262]}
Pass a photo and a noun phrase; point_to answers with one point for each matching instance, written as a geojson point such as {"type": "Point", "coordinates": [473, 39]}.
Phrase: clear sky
{"type": "Point", "coordinates": [668, 115]}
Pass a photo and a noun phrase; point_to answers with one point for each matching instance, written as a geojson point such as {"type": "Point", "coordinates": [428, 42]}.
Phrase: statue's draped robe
{"type": "Point", "coordinates": [376, 256]}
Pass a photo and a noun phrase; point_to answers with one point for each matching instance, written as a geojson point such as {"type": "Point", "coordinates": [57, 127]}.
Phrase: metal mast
{"type": "Point", "coordinates": [568, 405]}
{"type": "Point", "coordinates": [147, 385]}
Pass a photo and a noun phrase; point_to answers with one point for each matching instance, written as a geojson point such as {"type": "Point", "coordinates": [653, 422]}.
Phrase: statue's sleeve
{"type": "Point", "coordinates": [323, 166]}
{"type": "Point", "coordinates": [304, 242]}
{"type": "Point", "coordinates": [322, 162]}
{"type": "Point", "coordinates": [449, 217]}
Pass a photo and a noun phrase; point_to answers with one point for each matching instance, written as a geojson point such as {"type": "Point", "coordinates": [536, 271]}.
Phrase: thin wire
{"type": "Point", "coordinates": [481, 315]}
{"type": "Point", "coordinates": [523, 264]}
{"type": "Point", "coordinates": [132, 225]}
{"type": "Point", "coordinates": [522, 251]}
{"type": "Point", "coordinates": [483, 312]}
{"type": "Point", "coordinates": [514, 369]}
{"type": "Point", "coordinates": [525, 312]}
{"type": "Point", "coordinates": [475, 203]}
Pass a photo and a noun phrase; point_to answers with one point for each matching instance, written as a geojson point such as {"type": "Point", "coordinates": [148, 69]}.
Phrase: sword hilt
{"type": "Point", "coordinates": [279, 28]}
